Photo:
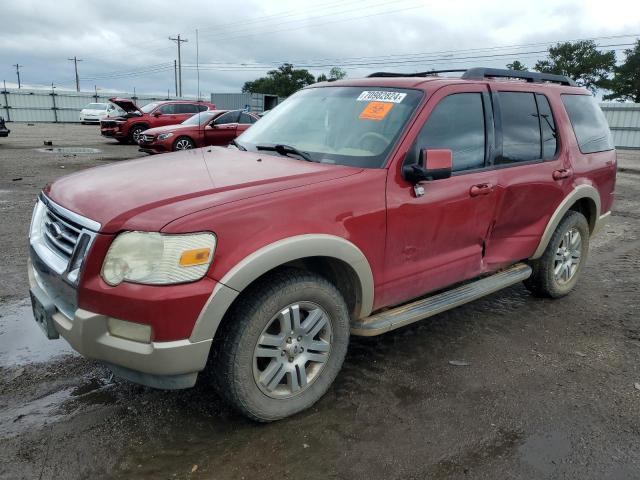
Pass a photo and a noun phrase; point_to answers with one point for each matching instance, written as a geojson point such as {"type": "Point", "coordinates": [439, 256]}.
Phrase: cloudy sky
{"type": "Point", "coordinates": [124, 44]}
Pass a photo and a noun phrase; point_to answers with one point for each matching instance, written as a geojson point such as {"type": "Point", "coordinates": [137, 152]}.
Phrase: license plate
{"type": "Point", "coordinates": [43, 314]}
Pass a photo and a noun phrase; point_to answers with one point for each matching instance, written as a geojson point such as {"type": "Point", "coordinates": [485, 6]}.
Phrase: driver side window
{"type": "Point", "coordinates": [457, 124]}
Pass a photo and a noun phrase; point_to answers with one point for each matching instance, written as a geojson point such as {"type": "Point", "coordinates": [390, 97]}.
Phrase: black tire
{"type": "Point", "coordinates": [234, 366]}
{"type": "Point", "coordinates": [544, 281]}
{"type": "Point", "coordinates": [183, 143]}
{"type": "Point", "coordinates": [135, 131]}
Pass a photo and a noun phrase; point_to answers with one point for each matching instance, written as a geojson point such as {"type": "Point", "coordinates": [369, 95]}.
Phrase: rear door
{"type": "Point", "coordinates": [185, 111]}
{"type": "Point", "coordinates": [245, 122]}
{"type": "Point", "coordinates": [528, 158]}
{"type": "Point", "coordinates": [223, 129]}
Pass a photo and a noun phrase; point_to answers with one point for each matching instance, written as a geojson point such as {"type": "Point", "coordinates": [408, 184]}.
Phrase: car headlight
{"type": "Point", "coordinates": [158, 259]}
{"type": "Point", "coordinates": [164, 136]}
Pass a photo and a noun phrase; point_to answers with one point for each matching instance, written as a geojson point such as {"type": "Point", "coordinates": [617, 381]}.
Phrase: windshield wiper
{"type": "Point", "coordinates": [238, 146]}
{"type": "Point", "coordinates": [285, 150]}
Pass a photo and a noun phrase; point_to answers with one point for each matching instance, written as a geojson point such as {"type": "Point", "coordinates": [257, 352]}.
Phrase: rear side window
{"type": "Point", "coordinates": [245, 118]}
{"type": "Point", "coordinates": [520, 127]}
{"type": "Point", "coordinates": [547, 128]}
{"type": "Point", "coordinates": [202, 108]}
{"type": "Point", "coordinates": [186, 108]}
{"type": "Point", "coordinates": [457, 124]}
{"type": "Point", "coordinates": [589, 124]}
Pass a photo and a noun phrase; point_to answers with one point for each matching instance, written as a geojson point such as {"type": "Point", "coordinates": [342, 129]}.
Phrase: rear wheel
{"type": "Point", "coordinates": [283, 346]}
{"type": "Point", "coordinates": [183, 143]}
{"type": "Point", "coordinates": [135, 132]}
{"type": "Point", "coordinates": [557, 271]}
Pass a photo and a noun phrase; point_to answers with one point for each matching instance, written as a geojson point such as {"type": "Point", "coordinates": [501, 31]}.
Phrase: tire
{"type": "Point", "coordinates": [183, 143]}
{"type": "Point", "coordinates": [134, 133]}
{"type": "Point", "coordinates": [556, 272]}
{"type": "Point", "coordinates": [268, 388]}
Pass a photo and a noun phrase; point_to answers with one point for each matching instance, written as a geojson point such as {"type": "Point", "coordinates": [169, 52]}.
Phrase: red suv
{"type": "Point", "coordinates": [136, 120]}
{"type": "Point", "coordinates": [215, 127]}
{"type": "Point", "coordinates": [354, 207]}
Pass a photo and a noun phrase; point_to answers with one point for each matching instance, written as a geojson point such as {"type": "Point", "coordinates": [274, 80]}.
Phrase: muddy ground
{"type": "Point", "coordinates": [551, 389]}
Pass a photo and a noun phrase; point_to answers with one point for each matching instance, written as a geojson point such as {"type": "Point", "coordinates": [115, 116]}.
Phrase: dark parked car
{"type": "Point", "coordinates": [4, 131]}
{"type": "Point", "coordinates": [215, 127]}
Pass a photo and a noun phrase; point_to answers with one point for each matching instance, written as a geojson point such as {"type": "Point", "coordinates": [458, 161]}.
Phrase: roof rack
{"type": "Point", "coordinates": [417, 74]}
{"type": "Point", "coordinates": [532, 77]}
{"type": "Point", "coordinates": [480, 73]}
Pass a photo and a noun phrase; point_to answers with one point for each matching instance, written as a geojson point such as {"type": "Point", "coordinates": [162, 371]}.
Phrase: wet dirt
{"type": "Point", "coordinates": [548, 393]}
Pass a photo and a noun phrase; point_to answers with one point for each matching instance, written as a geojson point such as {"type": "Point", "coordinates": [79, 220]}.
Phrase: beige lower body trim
{"type": "Point", "coordinates": [600, 223]}
{"type": "Point", "coordinates": [87, 333]}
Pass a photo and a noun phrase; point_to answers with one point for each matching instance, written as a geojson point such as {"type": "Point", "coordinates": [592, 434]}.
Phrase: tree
{"type": "Point", "coordinates": [581, 61]}
{"type": "Point", "coordinates": [337, 73]}
{"type": "Point", "coordinates": [626, 77]}
{"type": "Point", "coordinates": [322, 78]}
{"type": "Point", "coordinates": [518, 66]}
{"type": "Point", "coordinates": [283, 82]}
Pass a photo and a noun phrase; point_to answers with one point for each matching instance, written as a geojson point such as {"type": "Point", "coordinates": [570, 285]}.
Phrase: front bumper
{"type": "Point", "coordinates": [168, 365]}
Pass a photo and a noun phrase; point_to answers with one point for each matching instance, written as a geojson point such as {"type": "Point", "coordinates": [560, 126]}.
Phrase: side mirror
{"type": "Point", "coordinates": [156, 114]}
{"type": "Point", "coordinates": [433, 164]}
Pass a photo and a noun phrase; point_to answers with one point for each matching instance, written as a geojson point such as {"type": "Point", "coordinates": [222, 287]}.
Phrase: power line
{"type": "Point", "coordinates": [178, 41]}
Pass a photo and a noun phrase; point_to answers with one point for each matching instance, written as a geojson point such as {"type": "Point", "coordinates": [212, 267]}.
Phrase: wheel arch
{"type": "Point", "coordinates": [584, 199]}
{"type": "Point", "coordinates": [335, 258]}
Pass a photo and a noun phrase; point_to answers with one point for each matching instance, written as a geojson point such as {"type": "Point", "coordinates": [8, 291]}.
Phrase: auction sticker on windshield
{"type": "Point", "coordinates": [381, 96]}
{"type": "Point", "coordinates": [376, 110]}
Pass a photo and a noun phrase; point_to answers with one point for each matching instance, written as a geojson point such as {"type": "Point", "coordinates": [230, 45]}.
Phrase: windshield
{"type": "Point", "coordinates": [199, 118]}
{"type": "Point", "coordinates": [356, 126]}
{"type": "Point", "coordinates": [96, 106]}
{"type": "Point", "coordinates": [149, 107]}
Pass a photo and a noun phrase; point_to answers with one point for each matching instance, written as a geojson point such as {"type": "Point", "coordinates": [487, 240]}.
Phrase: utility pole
{"type": "Point", "coordinates": [175, 74]}
{"type": "Point", "coordinates": [18, 72]}
{"type": "Point", "coordinates": [75, 64]}
{"type": "Point", "coordinates": [179, 41]}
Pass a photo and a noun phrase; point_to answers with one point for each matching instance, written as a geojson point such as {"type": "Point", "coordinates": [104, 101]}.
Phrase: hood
{"type": "Point", "coordinates": [169, 128]}
{"type": "Point", "coordinates": [125, 104]}
{"type": "Point", "coordinates": [148, 193]}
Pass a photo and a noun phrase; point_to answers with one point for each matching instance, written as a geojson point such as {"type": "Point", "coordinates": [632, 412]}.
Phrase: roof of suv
{"type": "Point", "coordinates": [421, 80]}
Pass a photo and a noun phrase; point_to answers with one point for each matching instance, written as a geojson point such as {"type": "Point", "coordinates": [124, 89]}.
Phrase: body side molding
{"type": "Point", "coordinates": [273, 255]}
{"type": "Point", "coordinates": [578, 193]}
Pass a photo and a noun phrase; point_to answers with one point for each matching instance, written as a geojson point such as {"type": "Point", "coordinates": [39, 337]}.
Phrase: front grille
{"type": "Point", "coordinates": [107, 123]}
{"type": "Point", "coordinates": [146, 138]}
{"type": "Point", "coordinates": [60, 234]}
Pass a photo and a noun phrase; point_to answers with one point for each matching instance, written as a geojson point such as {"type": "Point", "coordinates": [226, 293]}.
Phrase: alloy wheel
{"type": "Point", "coordinates": [567, 258]}
{"type": "Point", "coordinates": [292, 350]}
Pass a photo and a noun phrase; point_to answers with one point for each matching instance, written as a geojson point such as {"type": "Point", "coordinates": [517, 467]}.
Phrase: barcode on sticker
{"type": "Point", "coordinates": [381, 96]}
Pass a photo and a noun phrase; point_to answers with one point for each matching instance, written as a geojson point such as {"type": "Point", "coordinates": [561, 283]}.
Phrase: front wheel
{"type": "Point", "coordinates": [136, 131]}
{"type": "Point", "coordinates": [557, 271]}
{"type": "Point", "coordinates": [283, 345]}
{"type": "Point", "coordinates": [183, 143]}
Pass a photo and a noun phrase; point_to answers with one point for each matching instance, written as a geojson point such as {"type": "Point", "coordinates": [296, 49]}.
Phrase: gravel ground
{"type": "Point", "coordinates": [551, 389]}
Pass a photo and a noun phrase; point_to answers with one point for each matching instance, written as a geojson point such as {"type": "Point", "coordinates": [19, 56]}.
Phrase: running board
{"type": "Point", "coordinates": [412, 312]}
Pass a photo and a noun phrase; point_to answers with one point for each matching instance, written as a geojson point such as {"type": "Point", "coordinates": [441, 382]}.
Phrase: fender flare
{"type": "Point", "coordinates": [272, 256]}
{"type": "Point", "coordinates": [578, 193]}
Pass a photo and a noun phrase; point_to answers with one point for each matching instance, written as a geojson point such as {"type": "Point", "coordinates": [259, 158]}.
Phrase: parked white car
{"type": "Point", "coordinates": [94, 112]}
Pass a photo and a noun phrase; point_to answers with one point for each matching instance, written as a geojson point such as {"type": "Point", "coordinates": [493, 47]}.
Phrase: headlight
{"type": "Point", "coordinates": [157, 259]}
{"type": "Point", "coordinates": [164, 136]}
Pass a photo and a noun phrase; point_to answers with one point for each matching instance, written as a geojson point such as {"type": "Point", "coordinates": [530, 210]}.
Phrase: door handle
{"type": "Point", "coordinates": [481, 189]}
{"type": "Point", "coordinates": [562, 173]}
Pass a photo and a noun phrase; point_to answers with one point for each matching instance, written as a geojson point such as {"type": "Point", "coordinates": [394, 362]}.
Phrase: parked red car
{"type": "Point", "coordinates": [355, 207]}
{"type": "Point", "coordinates": [136, 120]}
{"type": "Point", "coordinates": [215, 127]}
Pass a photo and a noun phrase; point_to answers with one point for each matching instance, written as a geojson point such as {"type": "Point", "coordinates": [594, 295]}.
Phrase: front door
{"type": "Point", "coordinates": [223, 129]}
{"type": "Point", "coordinates": [438, 239]}
{"type": "Point", "coordinates": [166, 115]}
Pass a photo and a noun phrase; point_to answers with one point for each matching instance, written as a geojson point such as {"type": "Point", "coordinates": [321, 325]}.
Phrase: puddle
{"type": "Point", "coordinates": [21, 340]}
{"type": "Point", "coordinates": [69, 150]}
{"type": "Point", "coordinates": [54, 406]}
{"type": "Point", "coordinates": [545, 452]}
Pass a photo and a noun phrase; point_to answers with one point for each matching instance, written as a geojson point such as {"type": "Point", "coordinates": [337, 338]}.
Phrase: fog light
{"type": "Point", "coordinates": [129, 330]}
